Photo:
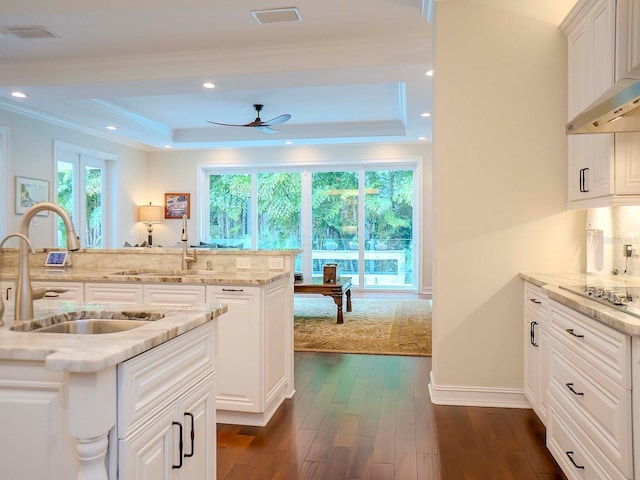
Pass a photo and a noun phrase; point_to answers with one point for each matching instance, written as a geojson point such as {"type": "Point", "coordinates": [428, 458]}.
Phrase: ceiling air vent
{"type": "Point", "coordinates": [29, 33]}
{"type": "Point", "coordinates": [277, 15]}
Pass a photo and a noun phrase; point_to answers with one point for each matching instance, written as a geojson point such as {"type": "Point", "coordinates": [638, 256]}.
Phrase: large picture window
{"type": "Point", "coordinates": [361, 218]}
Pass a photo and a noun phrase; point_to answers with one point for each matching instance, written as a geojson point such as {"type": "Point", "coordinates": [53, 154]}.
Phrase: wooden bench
{"type": "Point", "coordinates": [334, 290]}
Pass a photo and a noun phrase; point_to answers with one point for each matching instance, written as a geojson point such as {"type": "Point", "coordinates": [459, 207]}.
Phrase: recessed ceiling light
{"type": "Point", "coordinates": [425, 114]}
{"type": "Point", "coordinates": [19, 94]}
{"type": "Point", "coordinates": [209, 85]}
{"type": "Point", "coordinates": [288, 142]}
{"type": "Point", "coordinates": [422, 138]}
{"type": "Point", "coordinates": [111, 127]}
{"type": "Point", "coordinates": [429, 73]}
{"type": "Point", "coordinates": [168, 146]}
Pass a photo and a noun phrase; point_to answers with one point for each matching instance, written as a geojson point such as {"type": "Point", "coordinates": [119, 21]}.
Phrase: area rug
{"type": "Point", "coordinates": [375, 326]}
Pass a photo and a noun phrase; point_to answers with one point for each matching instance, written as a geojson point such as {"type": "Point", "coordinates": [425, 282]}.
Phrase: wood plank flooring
{"type": "Point", "coordinates": [370, 417]}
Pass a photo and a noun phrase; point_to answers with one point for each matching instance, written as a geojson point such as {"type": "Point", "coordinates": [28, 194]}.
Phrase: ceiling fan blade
{"type": "Point", "coordinates": [277, 120]}
{"type": "Point", "coordinates": [227, 124]}
{"type": "Point", "coordinates": [267, 129]}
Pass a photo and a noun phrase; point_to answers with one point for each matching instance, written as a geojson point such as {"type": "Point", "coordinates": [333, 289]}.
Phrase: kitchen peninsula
{"type": "Point", "coordinates": [254, 370]}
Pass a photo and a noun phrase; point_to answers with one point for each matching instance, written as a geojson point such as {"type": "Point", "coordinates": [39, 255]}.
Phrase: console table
{"type": "Point", "coordinates": [334, 290]}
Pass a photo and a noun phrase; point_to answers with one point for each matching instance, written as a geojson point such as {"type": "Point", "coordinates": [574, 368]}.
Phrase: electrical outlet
{"type": "Point", "coordinates": [627, 249]}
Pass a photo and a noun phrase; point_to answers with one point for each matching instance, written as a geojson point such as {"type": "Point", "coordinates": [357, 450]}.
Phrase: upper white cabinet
{"type": "Point", "coordinates": [591, 53]}
{"type": "Point", "coordinates": [628, 39]}
{"type": "Point", "coordinates": [602, 46]}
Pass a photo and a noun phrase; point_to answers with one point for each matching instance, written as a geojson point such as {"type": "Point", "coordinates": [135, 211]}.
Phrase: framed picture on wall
{"type": "Point", "coordinates": [176, 205]}
{"type": "Point", "coordinates": [30, 191]}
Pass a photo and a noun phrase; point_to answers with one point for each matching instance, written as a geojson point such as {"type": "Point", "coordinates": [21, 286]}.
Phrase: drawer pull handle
{"type": "Point", "coordinates": [193, 433]}
{"type": "Point", "coordinates": [537, 302]}
{"type": "Point", "coordinates": [533, 334]}
{"type": "Point", "coordinates": [570, 455]}
{"type": "Point", "coordinates": [570, 331]}
{"type": "Point", "coordinates": [233, 290]}
{"type": "Point", "coordinates": [570, 387]}
{"type": "Point", "coordinates": [180, 445]}
{"type": "Point", "coordinates": [8, 290]}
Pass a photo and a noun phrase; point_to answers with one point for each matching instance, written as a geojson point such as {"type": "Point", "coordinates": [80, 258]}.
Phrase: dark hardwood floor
{"type": "Point", "coordinates": [370, 417]}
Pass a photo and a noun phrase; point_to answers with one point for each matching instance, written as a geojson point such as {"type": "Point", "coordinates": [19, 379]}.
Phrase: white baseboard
{"type": "Point", "coordinates": [477, 396]}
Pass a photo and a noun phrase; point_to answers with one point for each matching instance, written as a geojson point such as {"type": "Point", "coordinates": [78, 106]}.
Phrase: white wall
{"type": "Point", "coordinates": [30, 154]}
{"type": "Point", "coordinates": [177, 171]}
{"type": "Point", "coordinates": [500, 186]}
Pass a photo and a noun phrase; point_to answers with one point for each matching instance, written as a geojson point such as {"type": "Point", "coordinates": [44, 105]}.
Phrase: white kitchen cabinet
{"type": "Point", "coordinates": [123, 293]}
{"type": "Point", "coordinates": [589, 426]}
{"type": "Point", "coordinates": [170, 294]}
{"type": "Point", "coordinates": [603, 46]}
{"type": "Point", "coordinates": [628, 39]}
{"type": "Point", "coordinates": [536, 349]}
{"type": "Point", "coordinates": [255, 353]}
{"type": "Point", "coordinates": [166, 400]}
{"type": "Point", "coordinates": [74, 293]}
{"type": "Point", "coordinates": [591, 44]}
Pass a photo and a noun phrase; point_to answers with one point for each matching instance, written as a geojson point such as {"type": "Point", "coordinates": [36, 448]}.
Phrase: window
{"type": "Point", "coordinates": [361, 218]}
{"type": "Point", "coordinates": [81, 189]}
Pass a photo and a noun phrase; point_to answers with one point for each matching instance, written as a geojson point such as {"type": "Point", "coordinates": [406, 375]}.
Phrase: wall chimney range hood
{"type": "Point", "coordinates": [617, 110]}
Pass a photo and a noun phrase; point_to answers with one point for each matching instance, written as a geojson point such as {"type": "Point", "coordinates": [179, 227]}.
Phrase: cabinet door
{"type": "Point", "coordinates": [628, 39]}
{"type": "Point", "coordinates": [240, 349]}
{"type": "Point", "coordinates": [183, 295]}
{"type": "Point", "coordinates": [199, 433]}
{"type": "Point", "coordinates": [130, 294]}
{"type": "Point", "coordinates": [154, 452]}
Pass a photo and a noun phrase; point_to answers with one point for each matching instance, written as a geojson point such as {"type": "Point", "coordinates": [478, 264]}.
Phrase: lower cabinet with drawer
{"type": "Point", "coordinates": [167, 412]}
{"type": "Point", "coordinates": [589, 425]}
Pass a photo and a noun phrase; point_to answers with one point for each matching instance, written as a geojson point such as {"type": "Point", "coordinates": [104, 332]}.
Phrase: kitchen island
{"type": "Point", "coordinates": [106, 406]}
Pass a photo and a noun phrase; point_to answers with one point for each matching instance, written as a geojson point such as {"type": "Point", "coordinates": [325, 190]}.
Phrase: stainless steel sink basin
{"type": "Point", "coordinates": [90, 326]}
{"type": "Point", "coordinates": [165, 273]}
{"type": "Point", "coordinates": [86, 322]}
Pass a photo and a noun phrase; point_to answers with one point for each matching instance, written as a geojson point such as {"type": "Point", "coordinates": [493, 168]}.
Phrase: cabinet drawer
{"type": "Point", "coordinates": [74, 293]}
{"type": "Point", "coordinates": [567, 443]}
{"type": "Point", "coordinates": [153, 379]}
{"type": "Point", "coordinates": [535, 300]}
{"type": "Point", "coordinates": [603, 347]}
{"type": "Point", "coordinates": [130, 294]}
{"type": "Point", "coordinates": [183, 295]}
{"type": "Point", "coordinates": [598, 405]}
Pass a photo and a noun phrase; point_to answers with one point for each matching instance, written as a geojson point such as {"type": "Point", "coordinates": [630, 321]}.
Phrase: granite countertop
{"type": "Point", "coordinates": [93, 353]}
{"type": "Point", "coordinates": [152, 275]}
{"type": "Point", "coordinates": [617, 319]}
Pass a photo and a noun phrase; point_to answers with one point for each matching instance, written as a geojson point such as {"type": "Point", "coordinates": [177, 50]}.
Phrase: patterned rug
{"type": "Point", "coordinates": [382, 326]}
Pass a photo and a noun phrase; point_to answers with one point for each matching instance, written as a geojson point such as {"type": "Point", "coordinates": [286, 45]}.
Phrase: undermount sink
{"type": "Point", "coordinates": [164, 273]}
{"type": "Point", "coordinates": [88, 322]}
{"type": "Point", "coordinates": [91, 326]}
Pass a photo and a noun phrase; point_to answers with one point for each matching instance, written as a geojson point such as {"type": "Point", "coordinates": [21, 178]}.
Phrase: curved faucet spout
{"type": "Point", "coordinates": [25, 239]}
{"type": "Point", "coordinates": [24, 292]}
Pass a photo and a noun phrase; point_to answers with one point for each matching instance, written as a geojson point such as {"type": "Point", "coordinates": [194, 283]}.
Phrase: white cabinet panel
{"type": "Point", "coordinates": [170, 294]}
{"type": "Point", "coordinates": [124, 293]}
{"type": "Point", "coordinates": [74, 293]}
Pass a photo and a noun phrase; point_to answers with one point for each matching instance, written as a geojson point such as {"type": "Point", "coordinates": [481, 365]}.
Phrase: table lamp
{"type": "Point", "coordinates": [150, 214]}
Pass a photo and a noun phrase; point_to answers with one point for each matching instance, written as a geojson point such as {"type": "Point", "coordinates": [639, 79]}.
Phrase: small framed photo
{"type": "Point", "coordinates": [176, 205]}
{"type": "Point", "coordinates": [30, 191]}
{"type": "Point", "coordinates": [57, 259]}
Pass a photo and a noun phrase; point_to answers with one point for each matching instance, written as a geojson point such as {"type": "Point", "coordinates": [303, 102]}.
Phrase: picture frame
{"type": "Point", "coordinates": [177, 204]}
{"type": "Point", "coordinates": [28, 192]}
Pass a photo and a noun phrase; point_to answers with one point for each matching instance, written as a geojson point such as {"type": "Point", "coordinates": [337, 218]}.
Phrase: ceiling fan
{"type": "Point", "coordinates": [257, 123]}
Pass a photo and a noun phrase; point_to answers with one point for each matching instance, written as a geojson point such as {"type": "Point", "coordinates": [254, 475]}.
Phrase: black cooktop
{"type": "Point", "coordinates": [620, 297]}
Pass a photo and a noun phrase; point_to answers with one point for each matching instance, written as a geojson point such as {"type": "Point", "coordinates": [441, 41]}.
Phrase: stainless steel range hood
{"type": "Point", "coordinates": [618, 110]}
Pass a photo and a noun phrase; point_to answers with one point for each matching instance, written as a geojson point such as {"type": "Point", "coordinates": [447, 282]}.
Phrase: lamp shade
{"type": "Point", "coordinates": [150, 213]}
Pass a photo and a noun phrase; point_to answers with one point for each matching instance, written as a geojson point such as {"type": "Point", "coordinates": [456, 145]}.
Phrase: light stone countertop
{"type": "Point", "coordinates": [617, 319]}
{"type": "Point", "coordinates": [151, 275]}
{"type": "Point", "coordinates": [93, 353]}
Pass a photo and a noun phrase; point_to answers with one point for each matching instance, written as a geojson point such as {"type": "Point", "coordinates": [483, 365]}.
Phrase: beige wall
{"type": "Point", "coordinates": [500, 185]}
{"type": "Point", "coordinates": [30, 154]}
{"type": "Point", "coordinates": [176, 171]}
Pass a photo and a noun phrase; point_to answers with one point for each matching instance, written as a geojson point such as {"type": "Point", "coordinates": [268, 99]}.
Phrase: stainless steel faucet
{"type": "Point", "coordinates": [24, 292]}
{"type": "Point", "coordinates": [186, 258]}
{"type": "Point", "coordinates": [24, 239]}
